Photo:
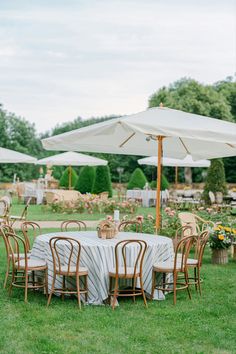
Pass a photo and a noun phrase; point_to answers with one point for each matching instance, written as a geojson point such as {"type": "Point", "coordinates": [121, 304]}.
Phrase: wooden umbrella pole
{"type": "Point", "coordinates": [176, 177]}
{"type": "Point", "coordinates": [158, 191]}
{"type": "Point", "coordinates": [70, 177]}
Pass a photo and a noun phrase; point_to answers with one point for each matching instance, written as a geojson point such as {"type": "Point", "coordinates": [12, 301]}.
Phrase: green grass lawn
{"type": "Point", "coordinates": [41, 213]}
{"type": "Point", "coordinates": [203, 325]}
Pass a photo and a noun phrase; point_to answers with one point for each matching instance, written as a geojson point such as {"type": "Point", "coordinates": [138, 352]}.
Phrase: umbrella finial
{"type": "Point", "coordinates": [161, 105]}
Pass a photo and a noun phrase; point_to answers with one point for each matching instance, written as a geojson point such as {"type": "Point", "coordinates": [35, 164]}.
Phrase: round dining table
{"type": "Point", "coordinates": [98, 256]}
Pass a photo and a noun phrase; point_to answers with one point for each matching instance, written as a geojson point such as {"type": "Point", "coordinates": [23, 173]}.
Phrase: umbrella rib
{"type": "Point", "coordinates": [184, 146]}
{"type": "Point", "coordinates": [126, 140]}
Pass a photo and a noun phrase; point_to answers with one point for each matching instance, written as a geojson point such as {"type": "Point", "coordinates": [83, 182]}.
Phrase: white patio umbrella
{"type": "Point", "coordinates": [11, 156]}
{"type": "Point", "coordinates": [186, 162]}
{"type": "Point", "coordinates": [71, 158]}
{"type": "Point", "coordinates": [162, 131]}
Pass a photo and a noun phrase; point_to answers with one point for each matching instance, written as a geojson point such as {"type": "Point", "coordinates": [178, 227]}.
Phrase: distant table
{"type": "Point", "coordinates": [147, 196]}
{"type": "Point", "coordinates": [97, 256]}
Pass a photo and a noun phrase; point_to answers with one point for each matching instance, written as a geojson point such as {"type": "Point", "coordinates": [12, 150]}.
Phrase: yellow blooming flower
{"type": "Point", "coordinates": [221, 237]}
{"type": "Point", "coordinates": [216, 229]}
{"type": "Point", "coordinates": [227, 229]}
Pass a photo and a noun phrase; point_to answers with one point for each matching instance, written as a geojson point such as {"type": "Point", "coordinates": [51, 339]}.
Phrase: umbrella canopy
{"type": "Point", "coordinates": [186, 162]}
{"type": "Point", "coordinates": [11, 156]}
{"type": "Point", "coordinates": [72, 159]}
{"type": "Point", "coordinates": [162, 131]}
{"type": "Point", "coordinates": [185, 133]}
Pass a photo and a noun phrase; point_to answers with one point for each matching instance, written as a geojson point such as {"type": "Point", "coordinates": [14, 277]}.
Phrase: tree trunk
{"type": "Point", "coordinates": [188, 175]}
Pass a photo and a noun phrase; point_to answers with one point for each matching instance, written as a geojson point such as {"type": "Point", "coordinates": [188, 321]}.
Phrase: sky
{"type": "Point", "coordinates": [60, 59]}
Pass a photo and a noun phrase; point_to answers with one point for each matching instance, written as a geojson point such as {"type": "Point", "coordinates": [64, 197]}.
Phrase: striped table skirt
{"type": "Point", "coordinates": [97, 256]}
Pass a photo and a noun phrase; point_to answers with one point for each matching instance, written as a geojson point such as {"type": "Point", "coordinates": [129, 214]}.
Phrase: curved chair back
{"type": "Point", "coordinates": [182, 252]}
{"type": "Point", "coordinates": [30, 226]}
{"type": "Point", "coordinates": [67, 224]}
{"type": "Point", "coordinates": [73, 248]}
{"type": "Point", "coordinates": [189, 219]}
{"type": "Point", "coordinates": [121, 257]}
{"type": "Point", "coordinates": [4, 229]}
{"type": "Point", "coordinates": [16, 245]}
{"type": "Point", "coordinates": [127, 226]}
{"type": "Point", "coordinates": [3, 208]}
{"type": "Point", "coordinates": [182, 232]}
{"type": "Point", "coordinates": [200, 246]}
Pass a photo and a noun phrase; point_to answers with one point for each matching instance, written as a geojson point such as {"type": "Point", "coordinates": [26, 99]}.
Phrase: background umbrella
{"type": "Point", "coordinates": [186, 162]}
{"type": "Point", "coordinates": [72, 159]}
{"type": "Point", "coordinates": [160, 131]}
{"type": "Point", "coordinates": [12, 156]}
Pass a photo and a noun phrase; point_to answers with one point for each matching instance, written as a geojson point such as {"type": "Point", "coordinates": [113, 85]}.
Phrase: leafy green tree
{"type": "Point", "coordinates": [86, 180]}
{"type": "Point", "coordinates": [190, 96]}
{"type": "Point", "coordinates": [164, 183]}
{"type": "Point", "coordinates": [64, 180]}
{"type": "Point", "coordinates": [137, 180]}
{"type": "Point", "coordinates": [102, 181]}
{"type": "Point", "coordinates": [215, 180]}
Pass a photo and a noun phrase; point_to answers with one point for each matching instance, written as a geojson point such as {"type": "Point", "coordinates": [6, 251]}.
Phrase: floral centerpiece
{"type": "Point", "coordinates": [220, 241]}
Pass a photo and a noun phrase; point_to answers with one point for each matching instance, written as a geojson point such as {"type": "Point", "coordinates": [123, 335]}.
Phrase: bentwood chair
{"type": "Point", "coordinates": [130, 225]}
{"type": "Point", "coordinates": [22, 217]}
{"type": "Point", "coordinates": [196, 262]}
{"type": "Point", "coordinates": [196, 222]}
{"type": "Point", "coordinates": [178, 265]}
{"type": "Point", "coordinates": [72, 268]}
{"type": "Point", "coordinates": [180, 233]}
{"type": "Point", "coordinates": [27, 266]}
{"type": "Point", "coordinates": [132, 272]}
{"type": "Point", "coordinates": [30, 227]}
{"type": "Point", "coordinates": [69, 224]}
{"type": "Point", "coordinates": [4, 229]}
{"type": "Point", "coordinates": [4, 212]}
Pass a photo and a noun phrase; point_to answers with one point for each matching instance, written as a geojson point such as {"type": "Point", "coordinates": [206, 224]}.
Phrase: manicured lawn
{"type": "Point", "coordinates": [41, 212]}
{"type": "Point", "coordinates": [203, 325]}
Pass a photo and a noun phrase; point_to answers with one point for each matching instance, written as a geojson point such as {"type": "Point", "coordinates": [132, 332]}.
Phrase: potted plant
{"type": "Point", "coordinates": [220, 241]}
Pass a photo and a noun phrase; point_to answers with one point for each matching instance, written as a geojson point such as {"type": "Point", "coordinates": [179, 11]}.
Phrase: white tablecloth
{"type": "Point", "coordinates": [97, 256]}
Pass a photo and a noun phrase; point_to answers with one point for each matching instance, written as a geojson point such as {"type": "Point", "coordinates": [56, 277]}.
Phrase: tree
{"type": "Point", "coordinates": [164, 183]}
{"type": "Point", "coordinates": [86, 180]}
{"type": "Point", "coordinates": [215, 180]}
{"type": "Point", "coordinates": [102, 181]}
{"type": "Point", "coordinates": [137, 180]}
{"type": "Point", "coordinates": [64, 180]}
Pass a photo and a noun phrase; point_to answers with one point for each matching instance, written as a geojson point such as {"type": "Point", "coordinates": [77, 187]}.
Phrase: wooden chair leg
{"type": "Point", "coordinates": [7, 273]}
{"type": "Point", "coordinates": [52, 289]}
{"type": "Point", "coordinates": [26, 286]}
{"type": "Point", "coordinates": [78, 292]}
{"type": "Point", "coordinates": [115, 294]}
{"type": "Point", "coordinates": [86, 287]}
{"type": "Point", "coordinates": [187, 283]}
{"type": "Point", "coordinates": [153, 283]}
{"type": "Point", "coordinates": [63, 287]}
{"type": "Point", "coordinates": [195, 278]}
{"type": "Point", "coordinates": [133, 286]}
{"type": "Point", "coordinates": [143, 293]}
{"type": "Point", "coordinates": [199, 281]}
{"type": "Point", "coordinates": [12, 281]}
{"type": "Point", "coordinates": [174, 285]}
{"type": "Point", "coordinates": [46, 282]}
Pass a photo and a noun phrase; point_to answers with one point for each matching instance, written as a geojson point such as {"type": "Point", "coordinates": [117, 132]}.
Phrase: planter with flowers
{"type": "Point", "coordinates": [220, 241]}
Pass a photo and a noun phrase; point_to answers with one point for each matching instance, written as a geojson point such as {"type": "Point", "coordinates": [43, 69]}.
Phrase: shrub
{"type": "Point", "coordinates": [86, 180]}
{"type": "Point", "coordinates": [102, 181]}
{"type": "Point", "coordinates": [164, 183]}
{"type": "Point", "coordinates": [137, 179]}
{"type": "Point", "coordinates": [64, 180]}
{"type": "Point", "coordinates": [215, 181]}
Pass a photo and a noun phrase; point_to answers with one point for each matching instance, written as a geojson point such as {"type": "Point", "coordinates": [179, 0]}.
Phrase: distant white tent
{"type": "Point", "coordinates": [71, 158]}
{"type": "Point", "coordinates": [186, 162]}
{"type": "Point", "coordinates": [12, 156]}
